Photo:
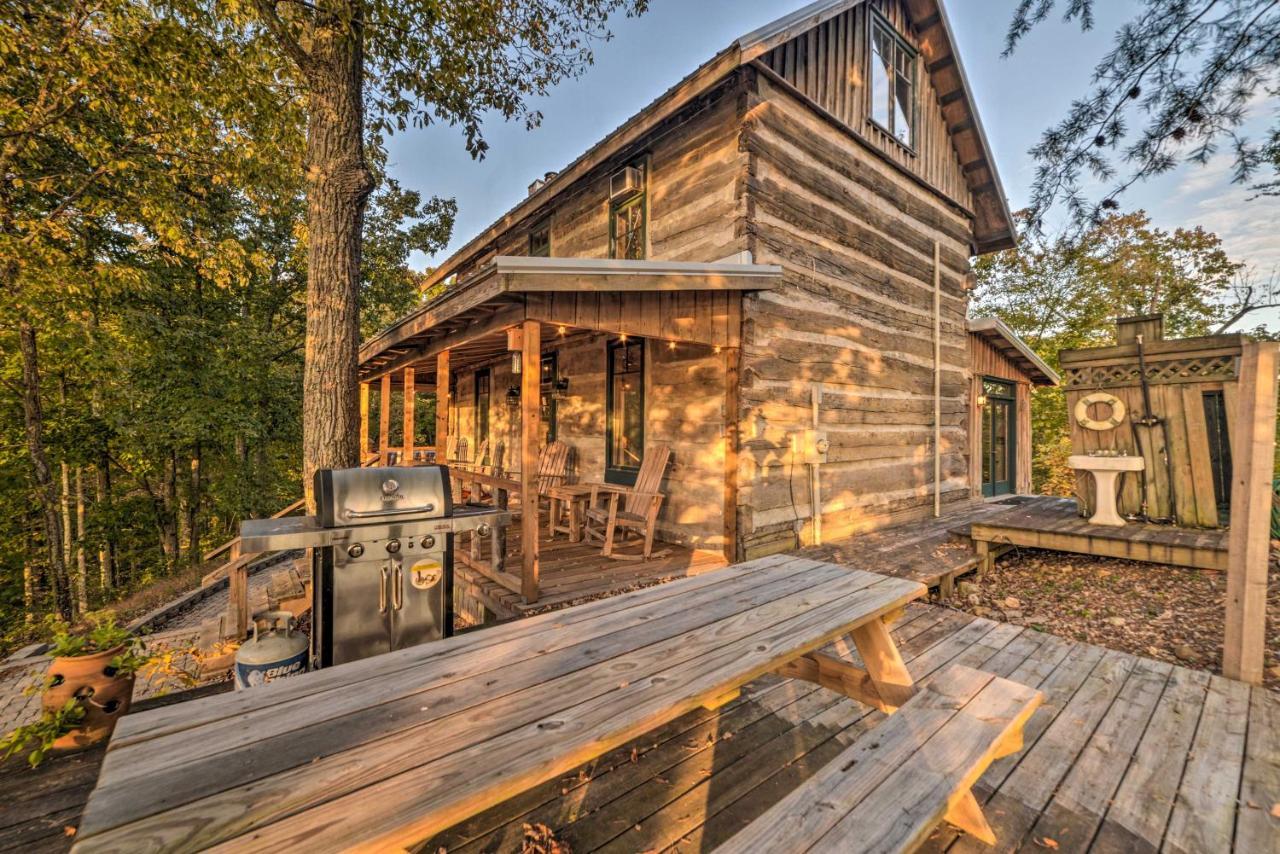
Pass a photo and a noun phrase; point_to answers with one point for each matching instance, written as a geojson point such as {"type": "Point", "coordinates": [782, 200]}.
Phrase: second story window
{"type": "Point", "coordinates": [628, 215]}
{"type": "Point", "coordinates": [540, 240]}
{"type": "Point", "coordinates": [893, 82]}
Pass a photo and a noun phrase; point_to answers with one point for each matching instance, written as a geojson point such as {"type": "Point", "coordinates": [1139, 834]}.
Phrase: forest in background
{"type": "Point", "coordinates": [1067, 291]}
{"type": "Point", "coordinates": [152, 295]}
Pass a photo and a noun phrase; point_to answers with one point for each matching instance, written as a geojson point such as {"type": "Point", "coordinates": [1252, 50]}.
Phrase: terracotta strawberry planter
{"type": "Point", "coordinates": [105, 696]}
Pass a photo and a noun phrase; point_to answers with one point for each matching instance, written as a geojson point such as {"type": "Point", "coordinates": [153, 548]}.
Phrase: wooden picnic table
{"type": "Point", "coordinates": [386, 751]}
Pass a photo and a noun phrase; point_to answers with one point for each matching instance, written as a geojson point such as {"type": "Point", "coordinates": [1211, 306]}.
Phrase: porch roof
{"type": "Point", "coordinates": [1004, 339]}
{"type": "Point", "coordinates": [691, 301]}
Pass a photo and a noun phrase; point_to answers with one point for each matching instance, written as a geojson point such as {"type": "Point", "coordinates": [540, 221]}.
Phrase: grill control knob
{"type": "Point", "coordinates": [483, 529]}
{"type": "Point", "coordinates": [393, 546]}
{"type": "Point", "coordinates": [355, 550]}
{"type": "Point", "coordinates": [428, 541]}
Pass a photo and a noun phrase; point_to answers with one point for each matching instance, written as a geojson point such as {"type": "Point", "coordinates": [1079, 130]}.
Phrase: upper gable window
{"type": "Point", "coordinates": [893, 82]}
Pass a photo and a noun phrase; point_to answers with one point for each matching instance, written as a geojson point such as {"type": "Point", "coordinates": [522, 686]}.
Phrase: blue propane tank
{"type": "Point", "coordinates": [271, 656]}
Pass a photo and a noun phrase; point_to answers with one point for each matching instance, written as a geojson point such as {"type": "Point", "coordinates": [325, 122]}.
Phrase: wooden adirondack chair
{"type": "Point", "coordinates": [628, 509]}
{"type": "Point", "coordinates": [553, 468]}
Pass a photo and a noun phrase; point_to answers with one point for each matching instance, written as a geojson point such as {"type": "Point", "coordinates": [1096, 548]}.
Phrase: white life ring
{"type": "Point", "coordinates": [1100, 397]}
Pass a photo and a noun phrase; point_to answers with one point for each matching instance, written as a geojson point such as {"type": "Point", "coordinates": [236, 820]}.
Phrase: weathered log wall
{"type": "Point", "coordinates": [694, 195]}
{"type": "Point", "coordinates": [855, 237]}
{"type": "Point", "coordinates": [684, 408]}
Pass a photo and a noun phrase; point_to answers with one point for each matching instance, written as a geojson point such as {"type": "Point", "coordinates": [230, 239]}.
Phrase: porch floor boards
{"type": "Point", "coordinates": [575, 572]}
{"type": "Point", "coordinates": [1126, 754]}
{"type": "Point", "coordinates": [929, 551]}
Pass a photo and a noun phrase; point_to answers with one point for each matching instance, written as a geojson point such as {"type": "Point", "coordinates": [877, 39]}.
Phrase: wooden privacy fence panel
{"type": "Point", "coordinates": [1179, 374]}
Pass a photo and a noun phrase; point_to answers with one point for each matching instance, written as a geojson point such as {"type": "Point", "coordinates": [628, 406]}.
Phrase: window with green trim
{"type": "Point", "coordinates": [628, 222]}
{"type": "Point", "coordinates": [893, 82]}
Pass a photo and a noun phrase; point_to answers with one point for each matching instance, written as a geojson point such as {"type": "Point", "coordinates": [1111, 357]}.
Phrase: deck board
{"type": "Point", "coordinates": [1053, 523]}
{"type": "Point", "coordinates": [1103, 760]}
{"type": "Point", "coordinates": [570, 573]}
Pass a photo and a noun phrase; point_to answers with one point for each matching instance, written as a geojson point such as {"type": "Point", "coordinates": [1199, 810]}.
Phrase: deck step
{"type": "Point", "coordinates": [889, 789]}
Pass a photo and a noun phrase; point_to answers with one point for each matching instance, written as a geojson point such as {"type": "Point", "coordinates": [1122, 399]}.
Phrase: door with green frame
{"type": "Point", "coordinates": [999, 455]}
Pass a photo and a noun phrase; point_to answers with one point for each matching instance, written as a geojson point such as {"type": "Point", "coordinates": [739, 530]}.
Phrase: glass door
{"type": "Point", "coordinates": [999, 409]}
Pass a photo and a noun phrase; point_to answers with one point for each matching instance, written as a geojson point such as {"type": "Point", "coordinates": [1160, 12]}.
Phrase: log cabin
{"type": "Point", "coordinates": [767, 270]}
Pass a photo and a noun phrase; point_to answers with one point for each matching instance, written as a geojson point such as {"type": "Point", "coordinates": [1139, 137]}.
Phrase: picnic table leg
{"type": "Point", "coordinates": [966, 814]}
{"type": "Point", "coordinates": [884, 663]}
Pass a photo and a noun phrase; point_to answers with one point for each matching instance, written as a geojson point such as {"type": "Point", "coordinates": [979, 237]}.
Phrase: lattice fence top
{"type": "Point", "coordinates": [1191, 370]}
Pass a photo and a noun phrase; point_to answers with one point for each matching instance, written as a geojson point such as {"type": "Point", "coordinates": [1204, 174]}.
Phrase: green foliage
{"type": "Point", "coordinates": [152, 208]}
{"type": "Point", "coordinates": [1067, 292]}
{"type": "Point", "coordinates": [40, 734]}
{"type": "Point", "coordinates": [99, 633]}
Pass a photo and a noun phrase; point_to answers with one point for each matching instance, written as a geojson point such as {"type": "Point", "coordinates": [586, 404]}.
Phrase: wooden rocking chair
{"type": "Point", "coordinates": [628, 509]}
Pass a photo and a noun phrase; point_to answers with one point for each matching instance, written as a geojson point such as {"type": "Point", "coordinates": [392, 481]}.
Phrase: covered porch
{"type": "Point", "coordinates": [617, 361]}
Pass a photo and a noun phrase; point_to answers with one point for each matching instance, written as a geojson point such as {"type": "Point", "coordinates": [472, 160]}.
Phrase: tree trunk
{"type": "Point", "coordinates": [29, 591]}
{"type": "Point", "coordinates": [107, 547]}
{"type": "Point", "coordinates": [68, 530]}
{"type": "Point", "coordinates": [82, 574]}
{"type": "Point", "coordinates": [46, 488]}
{"type": "Point", "coordinates": [339, 183]}
{"type": "Point", "coordinates": [169, 506]}
{"type": "Point", "coordinates": [193, 509]}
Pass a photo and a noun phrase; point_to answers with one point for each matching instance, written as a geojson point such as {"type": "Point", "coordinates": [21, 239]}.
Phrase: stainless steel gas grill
{"type": "Point", "coordinates": [382, 566]}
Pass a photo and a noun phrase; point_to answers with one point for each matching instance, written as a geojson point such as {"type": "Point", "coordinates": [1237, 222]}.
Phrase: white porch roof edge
{"type": "Point", "coordinates": [738, 276]}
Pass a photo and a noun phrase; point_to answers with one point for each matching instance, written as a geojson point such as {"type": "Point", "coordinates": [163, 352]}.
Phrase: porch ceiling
{"type": "Point", "coordinates": [677, 300]}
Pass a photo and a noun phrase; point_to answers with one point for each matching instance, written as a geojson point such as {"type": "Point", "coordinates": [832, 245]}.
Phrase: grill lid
{"type": "Point", "coordinates": [362, 496]}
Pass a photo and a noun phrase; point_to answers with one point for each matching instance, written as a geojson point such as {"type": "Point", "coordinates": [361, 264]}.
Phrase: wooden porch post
{"type": "Point", "coordinates": [530, 394]}
{"type": "Point", "coordinates": [384, 420]}
{"type": "Point", "coordinates": [410, 401]}
{"type": "Point", "coordinates": [732, 360]}
{"type": "Point", "coordinates": [1249, 542]}
{"type": "Point", "coordinates": [442, 405]}
{"type": "Point", "coordinates": [364, 422]}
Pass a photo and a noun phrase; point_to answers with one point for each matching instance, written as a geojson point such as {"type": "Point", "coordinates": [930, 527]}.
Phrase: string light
{"type": "Point", "coordinates": [561, 330]}
{"type": "Point", "coordinates": [671, 345]}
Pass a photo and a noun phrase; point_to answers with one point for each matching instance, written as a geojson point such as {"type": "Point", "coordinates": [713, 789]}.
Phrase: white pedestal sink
{"type": "Point", "coordinates": [1106, 471]}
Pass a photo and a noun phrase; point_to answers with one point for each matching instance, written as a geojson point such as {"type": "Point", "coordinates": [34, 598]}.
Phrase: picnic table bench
{"type": "Point", "coordinates": [387, 751]}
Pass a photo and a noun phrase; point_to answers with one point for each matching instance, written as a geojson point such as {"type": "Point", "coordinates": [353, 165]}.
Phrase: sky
{"type": "Point", "coordinates": [1017, 99]}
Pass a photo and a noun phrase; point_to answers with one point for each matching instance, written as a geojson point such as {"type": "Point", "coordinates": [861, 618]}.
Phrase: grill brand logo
{"type": "Point", "coordinates": [391, 490]}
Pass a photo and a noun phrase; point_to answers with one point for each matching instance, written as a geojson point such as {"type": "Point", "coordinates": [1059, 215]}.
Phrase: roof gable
{"type": "Point", "coordinates": [993, 221]}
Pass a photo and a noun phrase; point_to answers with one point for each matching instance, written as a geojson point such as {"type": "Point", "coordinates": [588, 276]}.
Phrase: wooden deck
{"type": "Point", "coordinates": [1127, 754]}
{"type": "Point", "coordinates": [1053, 523]}
{"type": "Point", "coordinates": [931, 551]}
{"type": "Point", "coordinates": [576, 572]}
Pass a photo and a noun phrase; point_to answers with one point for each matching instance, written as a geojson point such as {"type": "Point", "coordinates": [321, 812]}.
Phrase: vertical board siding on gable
{"type": "Point", "coordinates": [829, 64]}
{"type": "Point", "coordinates": [855, 314]}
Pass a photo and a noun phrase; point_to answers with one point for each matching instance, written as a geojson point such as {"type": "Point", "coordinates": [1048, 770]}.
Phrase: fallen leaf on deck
{"type": "Point", "coordinates": [1049, 843]}
{"type": "Point", "coordinates": [1275, 810]}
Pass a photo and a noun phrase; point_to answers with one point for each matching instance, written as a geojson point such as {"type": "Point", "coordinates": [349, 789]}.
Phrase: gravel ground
{"type": "Point", "coordinates": [1161, 612]}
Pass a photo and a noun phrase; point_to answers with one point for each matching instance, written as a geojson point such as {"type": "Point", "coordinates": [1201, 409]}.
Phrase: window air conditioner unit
{"type": "Point", "coordinates": [625, 183]}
